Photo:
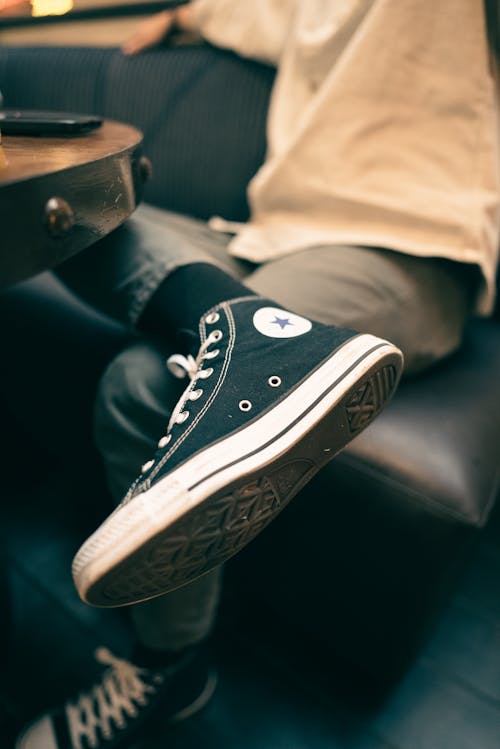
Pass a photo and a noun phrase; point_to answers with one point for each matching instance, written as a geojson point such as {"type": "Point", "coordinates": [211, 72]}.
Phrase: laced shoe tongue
{"type": "Point", "coordinates": [181, 366]}
{"type": "Point", "coordinates": [94, 718]}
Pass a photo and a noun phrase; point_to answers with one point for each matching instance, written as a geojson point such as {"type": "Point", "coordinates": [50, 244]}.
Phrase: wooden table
{"type": "Point", "coordinates": [60, 195]}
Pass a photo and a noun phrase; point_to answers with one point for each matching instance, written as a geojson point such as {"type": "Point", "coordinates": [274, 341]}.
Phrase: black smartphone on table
{"type": "Point", "coordinates": [40, 122]}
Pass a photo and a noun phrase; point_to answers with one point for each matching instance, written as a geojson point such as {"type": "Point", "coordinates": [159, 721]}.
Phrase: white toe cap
{"type": "Point", "coordinates": [38, 735]}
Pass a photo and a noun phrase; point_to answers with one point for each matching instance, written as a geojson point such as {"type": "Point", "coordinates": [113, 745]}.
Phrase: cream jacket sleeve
{"type": "Point", "coordinates": [252, 28]}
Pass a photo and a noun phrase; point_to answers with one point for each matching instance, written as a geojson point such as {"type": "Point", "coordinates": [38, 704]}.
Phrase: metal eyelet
{"type": "Point", "coordinates": [182, 417]}
{"type": "Point", "coordinates": [147, 466]}
{"type": "Point", "coordinates": [195, 394]}
{"type": "Point", "coordinates": [212, 318]}
{"type": "Point", "coordinates": [215, 335]}
{"type": "Point", "coordinates": [274, 381]}
{"type": "Point", "coordinates": [165, 440]}
{"type": "Point", "coordinates": [204, 373]}
{"type": "Point", "coordinates": [244, 406]}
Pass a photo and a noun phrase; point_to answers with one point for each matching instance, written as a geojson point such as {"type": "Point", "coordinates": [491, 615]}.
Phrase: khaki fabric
{"type": "Point", "coordinates": [382, 131]}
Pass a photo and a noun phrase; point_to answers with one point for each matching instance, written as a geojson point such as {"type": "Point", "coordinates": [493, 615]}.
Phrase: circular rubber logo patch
{"type": "Point", "coordinates": [278, 323]}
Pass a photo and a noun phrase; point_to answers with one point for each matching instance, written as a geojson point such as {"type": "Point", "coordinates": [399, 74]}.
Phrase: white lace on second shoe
{"type": "Point", "coordinates": [97, 714]}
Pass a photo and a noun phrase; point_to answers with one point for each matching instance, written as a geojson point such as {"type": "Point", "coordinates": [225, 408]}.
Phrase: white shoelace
{"type": "Point", "coordinates": [180, 366]}
{"type": "Point", "coordinates": [108, 705]}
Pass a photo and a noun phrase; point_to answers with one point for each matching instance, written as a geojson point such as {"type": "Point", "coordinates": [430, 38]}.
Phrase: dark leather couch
{"type": "Point", "coordinates": [362, 561]}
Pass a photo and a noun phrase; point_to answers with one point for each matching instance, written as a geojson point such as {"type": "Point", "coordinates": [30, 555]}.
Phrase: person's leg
{"type": "Point", "coordinates": [420, 304]}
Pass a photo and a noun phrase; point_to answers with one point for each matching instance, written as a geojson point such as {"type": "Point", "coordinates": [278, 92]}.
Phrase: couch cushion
{"type": "Point", "coordinates": [438, 442]}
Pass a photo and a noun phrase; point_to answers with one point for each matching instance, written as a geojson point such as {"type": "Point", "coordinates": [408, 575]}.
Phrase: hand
{"type": "Point", "coordinates": [155, 30]}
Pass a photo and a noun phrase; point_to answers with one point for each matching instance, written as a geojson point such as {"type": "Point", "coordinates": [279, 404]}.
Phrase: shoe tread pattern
{"type": "Point", "coordinates": [369, 398]}
{"type": "Point", "coordinates": [210, 535]}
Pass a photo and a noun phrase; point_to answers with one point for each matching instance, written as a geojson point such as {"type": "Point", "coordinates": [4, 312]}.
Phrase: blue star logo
{"type": "Point", "coordinates": [281, 321]}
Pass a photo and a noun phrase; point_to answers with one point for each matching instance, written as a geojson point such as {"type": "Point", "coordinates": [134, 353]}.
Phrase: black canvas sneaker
{"type": "Point", "coordinates": [272, 398]}
{"type": "Point", "coordinates": [128, 702]}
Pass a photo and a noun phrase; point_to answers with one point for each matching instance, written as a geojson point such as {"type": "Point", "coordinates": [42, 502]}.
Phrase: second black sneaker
{"type": "Point", "coordinates": [127, 702]}
{"type": "Point", "coordinates": [272, 397]}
